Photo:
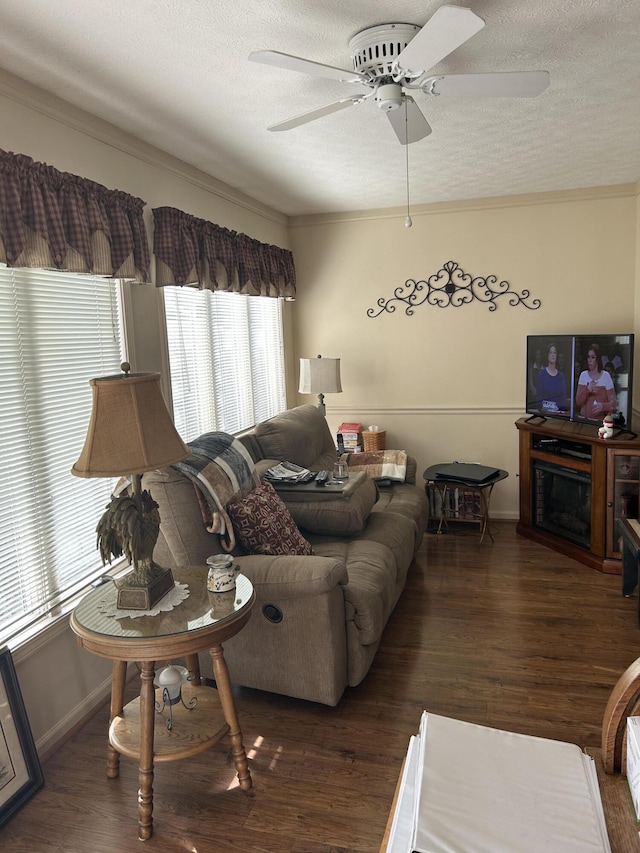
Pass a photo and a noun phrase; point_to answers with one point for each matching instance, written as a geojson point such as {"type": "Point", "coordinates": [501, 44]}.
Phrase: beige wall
{"type": "Point", "coordinates": [448, 383]}
{"type": "Point", "coordinates": [636, 390]}
{"type": "Point", "coordinates": [445, 383]}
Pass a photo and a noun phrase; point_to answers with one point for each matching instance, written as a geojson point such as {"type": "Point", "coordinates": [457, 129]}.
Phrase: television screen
{"type": "Point", "coordinates": [580, 377]}
{"type": "Point", "coordinates": [549, 376]}
{"type": "Point", "coordinates": [603, 365]}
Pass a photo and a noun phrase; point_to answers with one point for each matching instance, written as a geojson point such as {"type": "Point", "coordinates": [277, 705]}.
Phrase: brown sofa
{"type": "Point", "coordinates": [318, 620]}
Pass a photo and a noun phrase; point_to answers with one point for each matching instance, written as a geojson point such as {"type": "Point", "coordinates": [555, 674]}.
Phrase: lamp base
{"type": "Point", "coordinates": [135, 596]}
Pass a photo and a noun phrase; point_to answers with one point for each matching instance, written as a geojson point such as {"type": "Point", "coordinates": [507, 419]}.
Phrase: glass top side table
{"type": "Point", "coordinates": [203, 621]}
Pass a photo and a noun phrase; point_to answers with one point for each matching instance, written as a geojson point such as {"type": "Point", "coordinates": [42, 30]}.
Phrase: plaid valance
{"type": "Point", "coordinates": [199, 253]}
{"type": "Point", "coordinates": [56, 220]}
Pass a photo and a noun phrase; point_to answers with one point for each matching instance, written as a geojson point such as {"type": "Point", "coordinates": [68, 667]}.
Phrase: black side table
{"type": "Point", "coordinates": [458, 496]}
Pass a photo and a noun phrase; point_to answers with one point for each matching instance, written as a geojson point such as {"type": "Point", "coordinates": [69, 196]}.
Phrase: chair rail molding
{"type": "Point", "coordinates": [366, 410]}
{"type": "Point", "coordinates": [451, 286]}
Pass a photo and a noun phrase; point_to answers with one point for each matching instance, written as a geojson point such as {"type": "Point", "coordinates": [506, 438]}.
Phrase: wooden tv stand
{"type": "Point", "coordinates": [599, 479]}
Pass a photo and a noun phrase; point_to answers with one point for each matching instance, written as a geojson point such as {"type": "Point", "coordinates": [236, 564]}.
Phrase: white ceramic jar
{"type": "Point", "coordinates": [222, 573]}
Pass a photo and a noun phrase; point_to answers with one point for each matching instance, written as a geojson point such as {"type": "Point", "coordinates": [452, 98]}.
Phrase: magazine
{"type": "Point", "coordinates": [288, 471]}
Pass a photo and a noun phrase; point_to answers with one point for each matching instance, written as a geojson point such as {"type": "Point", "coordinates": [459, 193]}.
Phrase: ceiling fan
{"type": "Point", "coordinates": [392, 58]}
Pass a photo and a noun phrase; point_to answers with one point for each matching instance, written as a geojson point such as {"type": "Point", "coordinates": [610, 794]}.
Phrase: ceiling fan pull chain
{"type": "Point", "coordinates": [408, 221]}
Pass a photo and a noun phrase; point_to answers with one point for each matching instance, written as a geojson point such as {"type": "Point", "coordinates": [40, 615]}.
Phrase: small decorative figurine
{"type": "Point", "coordinates": [606, 430]}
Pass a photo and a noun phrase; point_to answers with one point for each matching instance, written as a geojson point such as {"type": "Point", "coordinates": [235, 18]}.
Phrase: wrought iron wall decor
{"type": "Point", "coordinates": [451, 285]}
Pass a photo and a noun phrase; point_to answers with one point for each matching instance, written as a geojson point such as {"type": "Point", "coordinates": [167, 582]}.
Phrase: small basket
{"type": "Point", "coordinates": [373, 440]}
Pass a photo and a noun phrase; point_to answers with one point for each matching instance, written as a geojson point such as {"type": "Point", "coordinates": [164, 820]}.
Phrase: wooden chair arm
{"type": "Point", "coordinates": [624, 701]}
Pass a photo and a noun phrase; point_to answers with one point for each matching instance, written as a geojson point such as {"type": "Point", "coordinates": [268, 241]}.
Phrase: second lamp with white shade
{"type": "Point", "coordinates": [320, 376]}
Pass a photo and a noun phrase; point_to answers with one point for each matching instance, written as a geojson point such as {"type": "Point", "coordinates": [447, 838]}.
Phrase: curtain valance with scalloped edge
{"type": "Point", "coordinates": [196, 252]}
{"type": "Point", "coordinates": [56, 220]}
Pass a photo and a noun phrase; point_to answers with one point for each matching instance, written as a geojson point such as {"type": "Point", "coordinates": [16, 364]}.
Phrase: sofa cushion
{"type": "Point", "coordinates": [299, 435]}
{"type": "Point", "coordinates": [184, 539]}
{"type": "Point", "coordinates": [370, 594]}
{"type": "Point", "coordinates": [264, 525]}
{"type": "Point", "coordinates": [408, 501]}
{"type": "Point", "coordinates": [330, 513]}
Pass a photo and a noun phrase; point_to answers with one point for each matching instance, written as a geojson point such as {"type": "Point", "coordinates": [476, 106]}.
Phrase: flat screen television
{"type": "Point", "coordinates": [580, 378]}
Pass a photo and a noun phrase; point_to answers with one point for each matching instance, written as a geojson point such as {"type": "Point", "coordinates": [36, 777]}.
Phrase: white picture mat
{"type": "Point", "coordinates": [14, 773]}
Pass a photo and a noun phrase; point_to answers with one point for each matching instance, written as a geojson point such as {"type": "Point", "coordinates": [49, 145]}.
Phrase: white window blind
{"type": "Point", "coordinates": [226, 359]}
{"type": "Point", "coordinates": [57, 331]}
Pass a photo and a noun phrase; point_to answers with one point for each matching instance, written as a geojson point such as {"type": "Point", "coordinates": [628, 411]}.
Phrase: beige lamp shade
{"type": "Point", "coordinates": [320, 376]}
{"type": "Point", "coordinates": [130, 430]}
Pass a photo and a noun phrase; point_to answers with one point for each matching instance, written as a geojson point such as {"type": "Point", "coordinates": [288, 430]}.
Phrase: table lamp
{"type": "Point", "coordinates": [131, 432]}
{"type": "Point", "coordinates": [320, 376]}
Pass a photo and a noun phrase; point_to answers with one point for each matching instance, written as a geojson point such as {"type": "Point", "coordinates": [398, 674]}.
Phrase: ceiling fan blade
{"type": "Point", "coordinates": [305, 66]}
{"type": "Point", "coordinates": [410, 126]}
{"type": "Point", "coordinates": [508, 84]}
{"type": "Point", "coordinates": [304, 118]}
{"type": "Point", "coordinates": [446, 30]}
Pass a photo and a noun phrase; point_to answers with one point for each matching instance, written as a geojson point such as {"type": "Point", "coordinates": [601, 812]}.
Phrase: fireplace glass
{"type": "Point", "coordinates": [562, 502]}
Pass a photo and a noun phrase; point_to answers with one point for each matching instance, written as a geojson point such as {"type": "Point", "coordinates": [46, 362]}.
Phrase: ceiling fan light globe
{"type": "Point", "coordinates": [389, 96]}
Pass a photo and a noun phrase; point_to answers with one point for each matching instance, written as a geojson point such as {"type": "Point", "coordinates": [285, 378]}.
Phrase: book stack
{"type": "Point", "coordinates": [473, 789]}
{"type": "Point", "coordinates": [350, 438]}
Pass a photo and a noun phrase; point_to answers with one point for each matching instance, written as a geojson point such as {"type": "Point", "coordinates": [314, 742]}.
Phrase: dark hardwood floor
{"type": "Point", "coordinates": [508, 634]}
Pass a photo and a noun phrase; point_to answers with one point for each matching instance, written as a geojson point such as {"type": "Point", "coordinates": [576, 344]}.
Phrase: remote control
{"type": "Point", "coordinates": [321, 478]}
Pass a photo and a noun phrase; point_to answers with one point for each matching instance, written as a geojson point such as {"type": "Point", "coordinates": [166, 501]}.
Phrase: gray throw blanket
{"type": "Point", "coordinates": [221, 469]}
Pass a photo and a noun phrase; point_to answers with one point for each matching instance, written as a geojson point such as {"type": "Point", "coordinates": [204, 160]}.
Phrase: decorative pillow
{"type": "Point", "coordinates": [264, 525]}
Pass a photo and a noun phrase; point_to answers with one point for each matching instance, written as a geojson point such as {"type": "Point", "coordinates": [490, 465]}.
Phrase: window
{"type": "Point", "coordinates": [226, 359]}
{"type": "Point", "coordinates": [57, 331]}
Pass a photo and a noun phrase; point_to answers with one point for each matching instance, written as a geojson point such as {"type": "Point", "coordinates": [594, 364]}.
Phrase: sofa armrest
{"type": "Point", "coordinates": [412, 468]}
{"type": "Point", "coordinates": [295, 643]}
{"type": "Point", "coordinates": [292, 576]}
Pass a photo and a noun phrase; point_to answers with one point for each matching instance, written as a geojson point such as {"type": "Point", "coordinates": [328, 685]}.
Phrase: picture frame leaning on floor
{"type": "Point", "coordinates": [20, 770]}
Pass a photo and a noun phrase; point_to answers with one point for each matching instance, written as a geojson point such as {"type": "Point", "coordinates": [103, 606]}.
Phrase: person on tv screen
{"type": "Point", "coordinates": [551, 388]}
{"type": "Point", "coordinates": [596, 394]}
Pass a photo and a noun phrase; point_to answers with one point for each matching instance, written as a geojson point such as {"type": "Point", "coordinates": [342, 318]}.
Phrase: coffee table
{"type": "Point", "coordinates": [454, 506]}
{"type": "Point", "coordinates": [203, 621]}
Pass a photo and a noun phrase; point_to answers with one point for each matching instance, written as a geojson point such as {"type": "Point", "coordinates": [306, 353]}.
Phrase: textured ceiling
{"type": "Point", "coordinates": [175, 73]}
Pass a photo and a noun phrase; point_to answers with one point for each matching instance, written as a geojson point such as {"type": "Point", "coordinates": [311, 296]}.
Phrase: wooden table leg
{"type": "Point", "coordinates": [118, 678]}
{"type": "Point", "coordinates": [193, 665]}
{"type": "Point", "coordinates": [145, 772]}
{"type": "Point", "coordinates": [227, 701]}
{"type": "Point", "coordinates": [484, 508]}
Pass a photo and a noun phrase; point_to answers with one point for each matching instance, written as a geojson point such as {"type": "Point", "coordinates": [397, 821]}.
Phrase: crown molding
{"type": "Point", "coordinates": [20, 91]}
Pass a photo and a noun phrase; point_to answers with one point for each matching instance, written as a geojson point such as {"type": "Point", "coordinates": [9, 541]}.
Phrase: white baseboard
{"type": "Point", "coordinates": [52, 739]}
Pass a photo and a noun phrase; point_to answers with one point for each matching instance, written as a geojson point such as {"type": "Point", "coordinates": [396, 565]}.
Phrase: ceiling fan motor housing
{"type": "Point", "coordinates": [375, 50]}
